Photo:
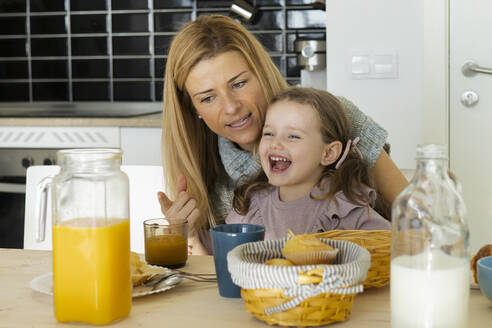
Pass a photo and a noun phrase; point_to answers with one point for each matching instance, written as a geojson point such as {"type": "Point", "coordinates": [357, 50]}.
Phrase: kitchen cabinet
{"type": "Point", "coordinates": [141, 146]}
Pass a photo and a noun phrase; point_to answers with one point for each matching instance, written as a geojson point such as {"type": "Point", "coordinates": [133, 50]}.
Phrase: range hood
{"type": "Point", "coordinates": [124, 109]}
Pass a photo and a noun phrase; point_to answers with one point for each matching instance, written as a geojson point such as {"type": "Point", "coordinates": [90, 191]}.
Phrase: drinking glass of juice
{"type": "Point", "coordinates": [166, 242]}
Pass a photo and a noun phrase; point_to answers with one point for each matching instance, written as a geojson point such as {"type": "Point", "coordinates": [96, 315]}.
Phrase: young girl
{"type": "Point", "coordinates": [313, 176]}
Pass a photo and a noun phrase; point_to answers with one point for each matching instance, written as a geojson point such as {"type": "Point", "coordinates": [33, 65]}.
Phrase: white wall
{"type": "Point", "coordinates": [141, 146]}
{"type": "Point", "coordinates": [411, 107]}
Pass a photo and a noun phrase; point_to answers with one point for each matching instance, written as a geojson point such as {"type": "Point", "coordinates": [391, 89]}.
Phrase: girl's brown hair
{"type": "Point", "coordinates": [334, 126]}
{"type": "Point", "coordinates": [188, 145]}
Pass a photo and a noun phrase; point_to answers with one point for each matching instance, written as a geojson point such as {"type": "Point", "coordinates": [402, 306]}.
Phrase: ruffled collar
{"type": "Point", "coordinates": [237, 162]}
{"type": "Point", "coordinates": [340, 205]}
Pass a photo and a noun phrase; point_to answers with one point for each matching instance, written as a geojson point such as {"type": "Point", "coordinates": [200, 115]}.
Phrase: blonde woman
{"type": "Point", "coordinates": [219, 81]}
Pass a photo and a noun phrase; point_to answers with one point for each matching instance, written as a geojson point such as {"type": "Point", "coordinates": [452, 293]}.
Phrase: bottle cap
{"type": "Point", "coordinates": [432, 151]}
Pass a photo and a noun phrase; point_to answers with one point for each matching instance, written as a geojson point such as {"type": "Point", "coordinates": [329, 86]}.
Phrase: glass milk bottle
{"type": "Point", "coordinates": [429, 250]}
{"type": "Point", "coordinates": [91, 236]}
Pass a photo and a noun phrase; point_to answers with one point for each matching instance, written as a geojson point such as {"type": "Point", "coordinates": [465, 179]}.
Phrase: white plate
{"type": "Point", "coordinates": [44, 284]}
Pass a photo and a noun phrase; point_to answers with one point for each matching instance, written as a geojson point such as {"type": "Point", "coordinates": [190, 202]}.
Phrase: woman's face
{"type": "Point", "coordinates": [228, 96]}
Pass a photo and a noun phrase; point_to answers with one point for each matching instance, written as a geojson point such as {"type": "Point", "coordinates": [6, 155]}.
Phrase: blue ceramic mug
{"type": "Point", "coordinates": [484, 275]}
{"type": "Point", "coordinates": [224, 238]}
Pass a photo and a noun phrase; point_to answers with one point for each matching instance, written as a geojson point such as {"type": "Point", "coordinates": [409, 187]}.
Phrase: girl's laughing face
{"type": "Point", "coordinates": [291, 149]}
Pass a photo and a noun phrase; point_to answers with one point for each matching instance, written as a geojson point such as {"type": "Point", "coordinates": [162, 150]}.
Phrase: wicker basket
{"type": "Point", "coordinates": [303, 295]}
{"type": "Point", "coordinates": [378, 243]}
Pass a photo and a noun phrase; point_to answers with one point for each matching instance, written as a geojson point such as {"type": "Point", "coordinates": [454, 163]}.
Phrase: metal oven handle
{"type": "Point", "coordinates": [42, 207]}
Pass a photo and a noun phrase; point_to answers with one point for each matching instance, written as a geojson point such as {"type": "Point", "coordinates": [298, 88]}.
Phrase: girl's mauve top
{"type": "Point", "coordinates": [308, 215]}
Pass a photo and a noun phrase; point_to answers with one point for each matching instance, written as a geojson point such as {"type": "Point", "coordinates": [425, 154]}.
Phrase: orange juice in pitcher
{"type": "Point", "coordinates": [91, 270]}
{"type": "Point", "coordinates": [91, 236]}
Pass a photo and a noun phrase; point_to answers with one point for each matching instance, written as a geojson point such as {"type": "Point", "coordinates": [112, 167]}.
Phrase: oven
{"type": "Point", "coordinates": [21, 147]}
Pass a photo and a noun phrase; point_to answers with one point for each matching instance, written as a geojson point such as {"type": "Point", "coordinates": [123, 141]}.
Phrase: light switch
{"type": "Point", "coordinates": [373, 64]}
{"type": "Point", "coordinates": [361, 65]}
{"type": "Point", "coordinates": [384, 65]}
{"type": "Point", "coordinates": [383, 68]}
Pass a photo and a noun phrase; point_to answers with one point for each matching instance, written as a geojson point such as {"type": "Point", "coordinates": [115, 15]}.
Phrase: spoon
{"type": "Point", "coordinates": [171, 280]}
{"type": "Point", "coordinates": [159, 277]}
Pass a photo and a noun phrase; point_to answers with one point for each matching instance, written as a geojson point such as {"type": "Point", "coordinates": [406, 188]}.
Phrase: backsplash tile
{"type": "Point", "coordinates": [14, 91]}
{"type": "Point", "coordinates": [79, 5]}
{"type": "Point", "coordinates": [280, 63]}
{"type": "Point", "coordinates": [13, 47]}
{"type": "Point", "coordinates": [53, 91]}
{"type": "Point", "coordinates": [298, 2]}
{"type": "Point", "coordinates": [132, 91]}
{"type": "Point", "coordinates": [124, 23]}
{"type": "Point", "coordinates": [216, 12]}
{"type": "Point", "coordinates": [105, 50]}
{"type": "Point", "coordinates": [90, 68]}
{"type": "Point", "coordinates": [49, 47]}
{"type": "Point", "coordinates": [273, 42]}
{"type": "Point", "coordinates": [269, 2]}
{"type": "Point", "coordinates": [14, 70]}
{"type": "Point", "coordinates": [170, 22]}
{"type": "Point", "coordinates": [131, 45]}
{"type": "Point", "coordinates": [48, 25]}
{"type": "Point", "coordinates": [269, 20]}
{"type": "Point", "coordinates": [12, 25]}
{"type": "Point", "coordinates": [293, 69]}
{"type": "Point", "coordinates": [159, 89]}
{"type": "Point", "coordinates": [88, 23]}
{"type": "Point", "coordinates": [89, 46]}
{"type": "Point", "coordinates": [91, 91]}
{"type": "Point", "coordinates": [49, 69]}
{"type": "Point", "coordinates": [160, 67]}
{"type": "Point", "coordinates": [301, 19]}
{"type": "Point", "coordinates": [129, 4]}
{"type": "Point", "coordinates": [47, 5]}
{"type": "Point", "coordinates": [131, 68]}
{"type": "Point", "coordinates": [169, 4]}
{"type": "Point", "coordinates": [213, 4]}
{"type": "Point", "coordinates": [162, 44]}
{"type": "Point", "coordinates": [12, 6]}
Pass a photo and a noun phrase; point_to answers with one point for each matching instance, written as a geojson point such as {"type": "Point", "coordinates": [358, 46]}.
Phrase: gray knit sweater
{"type": "Point", "coordinates": [238, 162]}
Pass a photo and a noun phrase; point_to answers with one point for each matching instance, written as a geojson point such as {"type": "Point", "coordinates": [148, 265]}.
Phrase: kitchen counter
{"type": "Point", "coordinates": [144, 121]}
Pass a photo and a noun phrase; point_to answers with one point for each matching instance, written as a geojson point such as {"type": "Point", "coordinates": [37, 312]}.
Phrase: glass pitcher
{"type": "Point", "coordinates": [91, 236]}
{"type": "Point", "coordinates": [430, 263]}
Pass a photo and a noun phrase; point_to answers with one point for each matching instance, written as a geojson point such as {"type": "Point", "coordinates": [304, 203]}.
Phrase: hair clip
{"type": "Point", "coordinates": [351, 145]}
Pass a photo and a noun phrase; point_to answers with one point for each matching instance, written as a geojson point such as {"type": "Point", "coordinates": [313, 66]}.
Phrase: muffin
{"type": "Point", "coordinates": [482, 252]}
{"type": "Point", "coordinates": [280, 262]}
{"type": "Point", "coordinates": [307, 249]}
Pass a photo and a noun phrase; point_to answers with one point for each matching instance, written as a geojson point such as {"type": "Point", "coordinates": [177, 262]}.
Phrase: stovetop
{"type": "Point", "coordinates": [80, 110]}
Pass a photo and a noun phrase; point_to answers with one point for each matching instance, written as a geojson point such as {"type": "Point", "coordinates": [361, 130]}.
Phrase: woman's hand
{"type": "Point", "coordinates": [184, 207]}
{"type": "Point", "coordinates": [388, 178]}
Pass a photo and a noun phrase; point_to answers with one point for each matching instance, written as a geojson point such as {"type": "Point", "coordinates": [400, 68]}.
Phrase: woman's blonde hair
{"type": "Point", "coordinates": [334, 126]}
{"type": "Point", "coordinates": [188, 145]}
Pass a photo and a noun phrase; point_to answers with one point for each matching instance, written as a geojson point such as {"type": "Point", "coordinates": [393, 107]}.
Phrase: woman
{"type": "Point", "coordinates": [218, 83]}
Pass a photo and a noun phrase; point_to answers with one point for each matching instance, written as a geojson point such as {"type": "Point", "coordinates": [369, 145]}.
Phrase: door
{"type": "Point", "coordinates": [471, 124]}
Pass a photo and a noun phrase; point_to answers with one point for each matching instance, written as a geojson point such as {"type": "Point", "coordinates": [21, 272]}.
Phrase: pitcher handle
{"type": "Point", "coordinates": [42, 207]}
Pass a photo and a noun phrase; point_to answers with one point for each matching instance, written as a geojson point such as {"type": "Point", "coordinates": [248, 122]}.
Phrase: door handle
{"type": "Point", "coordinates": [470, 68]}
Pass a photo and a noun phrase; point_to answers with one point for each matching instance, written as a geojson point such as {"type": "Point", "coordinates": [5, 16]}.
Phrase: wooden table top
{"type": "Point", "coordinates": [190, 304]}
